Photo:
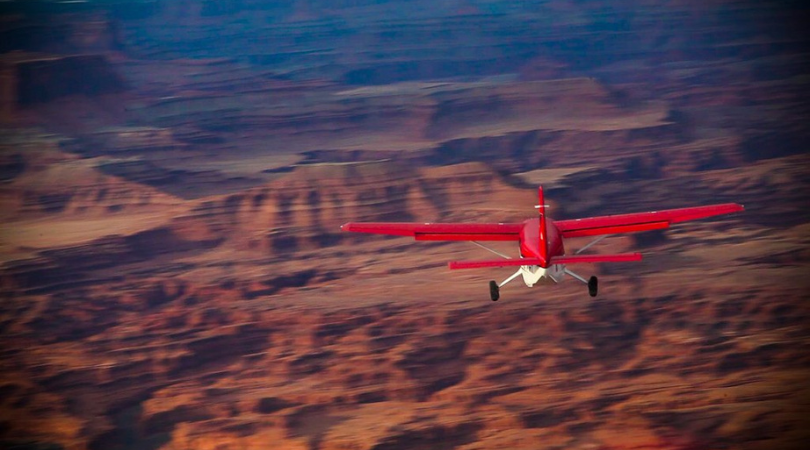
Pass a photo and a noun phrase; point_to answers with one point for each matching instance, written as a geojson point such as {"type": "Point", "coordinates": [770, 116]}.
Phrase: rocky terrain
{"type": "Point", "coordinates": [173, 176]}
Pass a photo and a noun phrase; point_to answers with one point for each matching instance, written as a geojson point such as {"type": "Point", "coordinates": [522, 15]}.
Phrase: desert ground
{"type": "Point", "coordinates": [173, 177]}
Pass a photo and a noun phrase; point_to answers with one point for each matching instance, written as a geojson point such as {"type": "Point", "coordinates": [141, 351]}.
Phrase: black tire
{"type": "Point", "coordinates": [494, 291]}
{"type": "Point", "coordinates": [593, 286]}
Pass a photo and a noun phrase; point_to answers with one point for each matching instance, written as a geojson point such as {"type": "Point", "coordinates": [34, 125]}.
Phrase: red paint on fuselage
{"type": "Point", "coordinates": [530, 239]}
{"type": "Point", "coordinates": [554, 240]}
{"type": "Point", "coordinates": [538, 243]}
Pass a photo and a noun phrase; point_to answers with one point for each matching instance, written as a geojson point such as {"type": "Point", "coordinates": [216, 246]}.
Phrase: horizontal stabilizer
{"type": "Point", "coordinates": [494, 263]}
{"type": "Point", "coordinates": [579, 259]}
{"type": "Point", "coordinates": [573, 259]}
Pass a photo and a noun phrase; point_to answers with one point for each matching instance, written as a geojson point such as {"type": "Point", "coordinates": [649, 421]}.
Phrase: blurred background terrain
{"type": "Point", "coordinates": [173, 175]}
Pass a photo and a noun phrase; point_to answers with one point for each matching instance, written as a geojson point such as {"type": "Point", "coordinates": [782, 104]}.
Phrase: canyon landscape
{"type": "Point", "coordinates": [174, 174]}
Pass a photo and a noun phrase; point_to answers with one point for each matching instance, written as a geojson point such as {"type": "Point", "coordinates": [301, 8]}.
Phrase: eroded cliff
{"type": "Point", "coordinates": [173, 274]}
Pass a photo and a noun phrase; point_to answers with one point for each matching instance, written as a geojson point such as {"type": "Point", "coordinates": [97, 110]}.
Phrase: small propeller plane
{"type": "Point", "coordinates": [540, 239]}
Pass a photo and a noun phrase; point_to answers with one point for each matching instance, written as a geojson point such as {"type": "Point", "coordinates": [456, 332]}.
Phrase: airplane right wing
{"type": "Point", "coordinates": [630, 223]}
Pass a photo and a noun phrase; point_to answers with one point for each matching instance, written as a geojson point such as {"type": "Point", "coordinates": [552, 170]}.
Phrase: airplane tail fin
{"type": "Point", "coordinates": [541, 209]}
{"type": "Point", "coordinates": [541, 202]}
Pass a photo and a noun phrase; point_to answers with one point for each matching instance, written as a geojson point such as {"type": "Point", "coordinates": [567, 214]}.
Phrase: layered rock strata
{"type": "Point", "coordinates": [173, 277]}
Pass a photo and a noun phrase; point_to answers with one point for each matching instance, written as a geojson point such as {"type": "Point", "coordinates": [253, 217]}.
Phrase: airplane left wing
{"type": "Point", "coordinates": [630, 223]}
{"type": "Point", "coordinates": [441, 231]}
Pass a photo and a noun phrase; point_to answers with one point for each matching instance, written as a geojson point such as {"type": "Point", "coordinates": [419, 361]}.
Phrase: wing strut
{"type": "Point", "coordinates": [595, 241]}
{"type": "Point", "coordinates": [490, 250]}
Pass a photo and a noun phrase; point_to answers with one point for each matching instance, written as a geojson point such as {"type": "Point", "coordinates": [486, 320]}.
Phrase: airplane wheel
{"type": "Point", "coordinates": [593, 286]}
{"type": "Point", "coordinates": [494, 291]}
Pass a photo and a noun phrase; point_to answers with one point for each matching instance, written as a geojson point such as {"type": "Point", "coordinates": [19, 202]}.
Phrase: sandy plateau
{"type": "Point", "coordinates": [173, 275]}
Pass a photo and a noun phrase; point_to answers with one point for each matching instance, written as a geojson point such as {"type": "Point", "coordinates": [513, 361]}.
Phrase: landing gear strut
{"type": "Point", "coordinates": [593, 286]}
{"type": "Point", "coordinates": [593, 282]}
{"type": "Point", "coordinates": [494, 291]}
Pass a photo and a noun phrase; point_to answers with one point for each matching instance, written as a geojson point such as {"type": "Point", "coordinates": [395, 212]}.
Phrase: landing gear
{"type": "Point", "coordinates": [593, 286]}
{"type": "Point", "coordinates": [593, 282]}
{"type": "Point", "coordinates": [494, 291]}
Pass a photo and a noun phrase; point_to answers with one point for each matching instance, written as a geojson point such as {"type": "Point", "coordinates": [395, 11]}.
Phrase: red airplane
{"type": "Point", "coordinates": [542, 253]}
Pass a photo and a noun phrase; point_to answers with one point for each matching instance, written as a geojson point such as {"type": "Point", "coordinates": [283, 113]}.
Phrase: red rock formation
{"type": "Point", "coordinates": [305, 208]}
{"type": "Point", "coordinates": [198, 295]}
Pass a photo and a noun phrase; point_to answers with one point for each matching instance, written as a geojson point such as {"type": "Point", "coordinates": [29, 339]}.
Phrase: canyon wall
{"type": "Point", "coordinates": [173, 275]}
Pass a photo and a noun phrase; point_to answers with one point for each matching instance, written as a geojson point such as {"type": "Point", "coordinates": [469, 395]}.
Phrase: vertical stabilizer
{"type": "Point", "coordinates": [541, 209]}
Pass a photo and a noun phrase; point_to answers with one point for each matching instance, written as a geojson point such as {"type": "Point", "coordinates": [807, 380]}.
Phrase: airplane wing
{"type": "Point", "coordinates": [441, 231]}
{"type": "Point", "coordinates": [630, 223]}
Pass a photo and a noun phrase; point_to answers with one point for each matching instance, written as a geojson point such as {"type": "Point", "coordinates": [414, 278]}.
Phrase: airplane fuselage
{"type": "Point", "coordinates": [541, 239]}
